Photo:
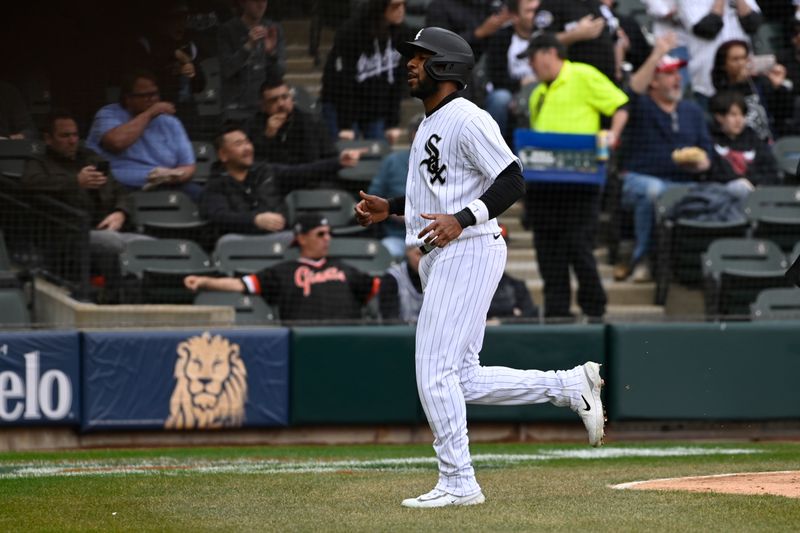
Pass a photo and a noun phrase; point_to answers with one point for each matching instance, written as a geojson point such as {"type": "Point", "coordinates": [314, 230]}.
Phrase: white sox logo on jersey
{"type": "Point", "coordinates": [432, 163]}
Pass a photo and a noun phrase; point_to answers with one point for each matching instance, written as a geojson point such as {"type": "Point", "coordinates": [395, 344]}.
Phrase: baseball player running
{"type": "Point", "coordinates": [461, 176]}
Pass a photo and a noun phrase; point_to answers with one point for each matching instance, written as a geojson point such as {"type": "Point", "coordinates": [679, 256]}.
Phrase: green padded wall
{"type": "Point", "coordinates": [726, 371]}
{"type": "Point", "coordinates": [366, 374]}
{"type": "Point", "coordinates": [346, 374]}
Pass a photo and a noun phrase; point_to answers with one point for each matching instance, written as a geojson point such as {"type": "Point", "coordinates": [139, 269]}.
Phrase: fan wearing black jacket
{"type": "Point", "coordinates": [247, 198]}
{"type": "Point", "coordinates": [741, 159]}
{"type": "Point", "coordinates": [508, 73]}
{"type": "Point", "coordinates": [364, 78]}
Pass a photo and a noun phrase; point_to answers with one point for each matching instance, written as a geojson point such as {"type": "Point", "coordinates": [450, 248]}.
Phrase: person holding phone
{"type": "Point", "coordinates": [78, 177]}
{"type": "Point", "coordinates": [761, 81]}
{"type": "Point", "coordinates": [251, 47]}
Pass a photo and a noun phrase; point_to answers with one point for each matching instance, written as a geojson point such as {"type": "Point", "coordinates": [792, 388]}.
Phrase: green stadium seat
{"type": "Point", "coordinates": [736, 270]}
{"type": "Point", "coordinates": [787, 154]}
{"type": "Point", "coordinates": [774, 213]}
{"type": "Point", "coordinates": [167, 214]}
{"type": "Point", "coordinates": [776, 304]}
{"type": "Point", "coordinates": [14, 154]}
{"type": "Point", "coordinates": [335, 204]}
{"type": "Point", "coordinates": [680, 243]}
{"type": "Point", "coordinates": [248, 254]}
{"type": "Point", "coordinates": [251, 310]}
{"type": "Point", "coordinates": [154, 270]}
{"type": "Point", "coordinates": [205, 157]}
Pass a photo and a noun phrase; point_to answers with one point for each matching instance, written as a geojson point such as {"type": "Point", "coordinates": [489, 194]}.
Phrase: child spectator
{"type": "Point", "coordinates": [741, 159]}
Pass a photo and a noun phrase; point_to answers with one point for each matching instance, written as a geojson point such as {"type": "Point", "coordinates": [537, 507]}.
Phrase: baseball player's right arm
{"type": "Point", "coordinates": [372, 209]}
{"type": "Point", "coordinates": [206, 283]}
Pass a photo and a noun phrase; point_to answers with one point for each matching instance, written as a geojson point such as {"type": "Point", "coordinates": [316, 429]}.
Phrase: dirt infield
{"type": "Point", "coordinates": [785, 483]}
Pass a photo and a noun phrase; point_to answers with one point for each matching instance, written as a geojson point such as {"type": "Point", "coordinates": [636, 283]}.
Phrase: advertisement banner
{"type": "Point", "coordinates": [185, 380]}
{"type": "Point", "coordinates": [39, 378]}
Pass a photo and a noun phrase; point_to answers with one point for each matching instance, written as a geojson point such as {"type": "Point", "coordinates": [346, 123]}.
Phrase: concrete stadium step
{"type": "Point", "coordinates": [305, 79]}
{"type": "Point", "coordinates": [619, 293]}
{"type": "Point", "coordinates": [297, 32]}
{"type": "Point", "coordinates": [300, 65]}
{"type": "Point", "coordinates": [529, 269]}
{"type": "Point", "coordinates": [634, 313]}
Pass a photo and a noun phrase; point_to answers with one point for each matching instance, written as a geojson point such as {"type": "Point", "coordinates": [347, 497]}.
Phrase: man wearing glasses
{"type": "Point", "coordinates": [143, 140]}
{"type": "Point", "coordinates": [310, 288]}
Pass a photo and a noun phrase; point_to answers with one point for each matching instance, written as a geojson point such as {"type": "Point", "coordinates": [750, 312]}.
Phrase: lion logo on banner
{"type": "Point", "coordinates": [211, 384]}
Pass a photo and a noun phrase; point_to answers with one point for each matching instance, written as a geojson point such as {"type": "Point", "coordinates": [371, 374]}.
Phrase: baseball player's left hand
{"type": "Point", "coordinates": [442, 230]}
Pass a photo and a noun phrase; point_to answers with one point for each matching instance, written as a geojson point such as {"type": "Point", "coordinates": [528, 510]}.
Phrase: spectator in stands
{"type": "Point", "coordinates": [282, 133]}
{"type": "Point", "coordinates": [475, 21]}
{"type": "Point", "coordinates": [669, 143]}
{"type": "Point", "coordinates": [741, 159]}
{"type": "Point", "coordinates": [400, 296]}
{"type": "Point", "coordinates": [710, 23]}
{"type": "Point", "coordinates": [251, 47]}
{"type": "Point", "coordinates": [769, 99]}
{"type": "Point", "coordinates": [581, 27]}
{"type": "Point", "coordinates": [15, 122]}
{"type": "Point", "coordinates": [790, 58]}
{"type": "Point", "coordinates": [172, 55]}
{"type": "Point", "coordinates": [312, 287]}
{"type": "Point", "coordinates": [145, 143]}
{"type": "Point", "coordinates": [570, 98]}
{"type": "Point", "coordinates": [666, 20]}
{"type": "Point", "coordinates": [364, 79]}
{"type": "Point", "coordinates": [246, 198]}
{"type": "Point", "coordinates": [630, 44]}
{"type": "Point", "coordinates": [390, 182]}
{"type": "Point", "coordinates": [507, 72]}
{"type": "Point", "coordinates": [512, 300]}
{"type": "Point", "coordinates": [70, 174]}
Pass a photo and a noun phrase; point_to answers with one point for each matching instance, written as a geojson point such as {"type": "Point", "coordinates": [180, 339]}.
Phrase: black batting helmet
{"type": "Point", "coordinates": [452, 58]}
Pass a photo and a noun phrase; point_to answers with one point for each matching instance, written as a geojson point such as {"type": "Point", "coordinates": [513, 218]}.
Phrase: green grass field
{"type": "Point", "coordinates": [359, 488]}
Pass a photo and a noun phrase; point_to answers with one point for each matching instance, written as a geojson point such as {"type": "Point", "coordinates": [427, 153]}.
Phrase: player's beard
{"type": "Point", "coordinates": [425, 88]}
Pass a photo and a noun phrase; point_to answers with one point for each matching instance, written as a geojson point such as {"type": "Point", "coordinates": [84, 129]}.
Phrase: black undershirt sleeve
{"type": "Point", "coordinates": [508, 187]}
{"type": "Point", "coordinates": [397, 205]}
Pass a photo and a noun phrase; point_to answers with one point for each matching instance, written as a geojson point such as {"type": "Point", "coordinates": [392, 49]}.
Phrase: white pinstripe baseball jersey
{"type": "Point", "coordinates": [456, 155]}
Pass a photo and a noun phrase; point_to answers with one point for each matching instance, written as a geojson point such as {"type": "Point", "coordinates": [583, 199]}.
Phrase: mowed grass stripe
{"type": "Point", "coordinates": [563, 494]}
{"type": "Point", "coordinates": [271, 466]}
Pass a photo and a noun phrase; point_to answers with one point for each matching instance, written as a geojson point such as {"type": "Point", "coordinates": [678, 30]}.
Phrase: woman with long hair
{"type": "Point", "coordinates": [769, 100]}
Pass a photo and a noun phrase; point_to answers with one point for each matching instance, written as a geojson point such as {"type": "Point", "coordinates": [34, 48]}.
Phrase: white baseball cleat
{"type": "Point", "coordinates": [439, 498]}
{"type": "Point", "coordinates": [591, 408]}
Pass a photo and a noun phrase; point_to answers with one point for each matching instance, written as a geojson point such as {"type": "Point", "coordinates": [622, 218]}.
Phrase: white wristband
{"type": "Point", "coordinates": [479, 211]}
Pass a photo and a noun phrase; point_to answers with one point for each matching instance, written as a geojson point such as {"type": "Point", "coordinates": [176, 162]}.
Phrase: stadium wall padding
{"type": "Point", "coordinates": [365, 374]}
{"type": "Point", "coordinates": [713, 371]}
{"type": "Point", "coordinates": [40, 378]}
{"type": "Point", "coordinates": [352, 375]}
{"type": "Point", "coordinates": [186, 379]}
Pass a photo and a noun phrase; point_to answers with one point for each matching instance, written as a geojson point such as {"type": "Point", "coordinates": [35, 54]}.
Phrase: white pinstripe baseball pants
{"type": "Point", "coordinates": [459, 281]}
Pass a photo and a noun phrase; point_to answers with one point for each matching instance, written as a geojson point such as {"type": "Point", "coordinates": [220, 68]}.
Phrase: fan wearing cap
{"type": "Point", "coordinates": [672, 145]}
{"type": "Point", "coordinates": [571, 98]}
{"type": "Point", "coordinates": [310, 288]}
